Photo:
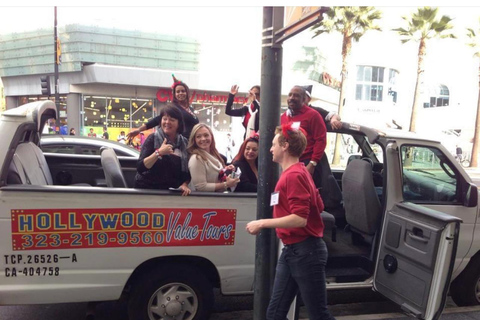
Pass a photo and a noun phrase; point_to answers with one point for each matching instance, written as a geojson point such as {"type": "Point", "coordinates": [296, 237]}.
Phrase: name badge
{"type": "Point", "coordinates": [274, 199]}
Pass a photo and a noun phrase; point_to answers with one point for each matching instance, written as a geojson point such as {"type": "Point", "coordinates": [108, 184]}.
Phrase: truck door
{"type": "Point", "coordinates": [417, 247]}
{"type": "Point", "coordinates": [416, 258]}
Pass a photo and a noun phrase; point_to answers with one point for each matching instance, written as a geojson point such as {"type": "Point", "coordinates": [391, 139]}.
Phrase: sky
{"type": "Point", "coordinates": [230, 35]}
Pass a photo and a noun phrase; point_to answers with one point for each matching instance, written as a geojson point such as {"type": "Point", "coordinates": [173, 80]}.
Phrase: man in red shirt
{"type": "Point", "coordinates": [296, 216]}
{"type": "Point", "coordinates": [314, 126]}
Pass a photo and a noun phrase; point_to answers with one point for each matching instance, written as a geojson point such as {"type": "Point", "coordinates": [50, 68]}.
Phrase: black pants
{"type": "Point", "coordinates": [317, 174]}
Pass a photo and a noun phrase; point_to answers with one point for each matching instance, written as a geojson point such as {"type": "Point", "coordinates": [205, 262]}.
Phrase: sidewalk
{"type": "Point", "coordinates": [452, 313]}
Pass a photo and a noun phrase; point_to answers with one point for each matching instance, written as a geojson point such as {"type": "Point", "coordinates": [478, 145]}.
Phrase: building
{"type": "Point", "coordinates": [107, 77]}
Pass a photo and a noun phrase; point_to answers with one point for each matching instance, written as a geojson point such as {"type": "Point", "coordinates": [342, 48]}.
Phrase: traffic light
{"type": "Point", "coordinates": [45, 82]}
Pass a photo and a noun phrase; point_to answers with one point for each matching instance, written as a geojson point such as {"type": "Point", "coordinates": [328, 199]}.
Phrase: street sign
{"type": "Point", "coordinates": [298, 19]}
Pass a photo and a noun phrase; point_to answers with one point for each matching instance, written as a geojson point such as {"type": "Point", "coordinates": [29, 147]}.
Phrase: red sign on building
{"type": "Point", "coordinates": [164, 95]}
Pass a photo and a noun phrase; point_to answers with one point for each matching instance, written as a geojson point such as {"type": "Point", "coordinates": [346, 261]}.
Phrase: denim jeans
{"type": "Point", "coordinates": [301, 267]}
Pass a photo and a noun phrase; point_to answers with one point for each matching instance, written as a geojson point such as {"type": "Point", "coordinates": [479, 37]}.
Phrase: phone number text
{"type": "Point", "coordinates": [89, 240]}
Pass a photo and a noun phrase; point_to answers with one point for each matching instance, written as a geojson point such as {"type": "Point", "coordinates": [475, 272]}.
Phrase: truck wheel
{"type": "Point", "coordinates": [176, 292]}
{"type": "Point", "coordinates": [465, 289]}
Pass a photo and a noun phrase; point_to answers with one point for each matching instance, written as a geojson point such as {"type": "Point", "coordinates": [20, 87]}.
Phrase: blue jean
{"type": "Point", "coordinates": [301, 267]}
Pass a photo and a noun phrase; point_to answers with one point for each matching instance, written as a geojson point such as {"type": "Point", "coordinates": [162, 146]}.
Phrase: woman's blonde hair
{"type": "Point", "coordinates": [193, 148]}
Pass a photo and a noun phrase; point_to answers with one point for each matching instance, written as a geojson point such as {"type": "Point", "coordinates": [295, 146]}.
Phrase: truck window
{"type": "Point", "coordinates": [428, 176]}
{"type": "Point", "coordinates": [350, 148]}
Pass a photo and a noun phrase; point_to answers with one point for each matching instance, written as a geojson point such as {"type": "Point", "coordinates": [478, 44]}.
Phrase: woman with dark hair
{"type": "Point", "coordinates": [247, 161]}
{"type": "Point", "coordinates": [181, 99]}
{"type": "Point", "coordinates": [163, 161]}
{"type": "Point", "coordinates": [249, 110]}
{"type": "Point", "coordinates": [207, 166]}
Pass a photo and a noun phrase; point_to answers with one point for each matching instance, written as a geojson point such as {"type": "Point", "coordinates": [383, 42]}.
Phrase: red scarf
{"type": "Point", "coordinates": [248, 115]}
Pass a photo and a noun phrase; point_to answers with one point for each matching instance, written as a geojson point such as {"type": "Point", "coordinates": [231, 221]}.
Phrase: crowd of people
{"type": "Point", "coordinates": [182, 155]}
{"type": "Point", "coordinates": [188, 159]}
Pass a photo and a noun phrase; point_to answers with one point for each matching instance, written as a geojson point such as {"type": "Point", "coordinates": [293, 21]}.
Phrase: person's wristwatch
{"type": "Point", "coordinates": [314, 163]}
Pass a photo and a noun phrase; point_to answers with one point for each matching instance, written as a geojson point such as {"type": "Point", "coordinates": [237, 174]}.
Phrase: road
{"type": "Point", "coordinates": [344, 305]}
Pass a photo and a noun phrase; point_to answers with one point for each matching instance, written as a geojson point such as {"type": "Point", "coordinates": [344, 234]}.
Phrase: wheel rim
{"type": "Point", "coordinates": [173, 301]}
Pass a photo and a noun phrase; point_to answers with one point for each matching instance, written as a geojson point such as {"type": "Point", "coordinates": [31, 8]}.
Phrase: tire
{"type": "Point", "coordinates": [466, 163]}
{"type": "Point", "coordinates": [177, 292]}
{"type": "Point", "coordinates": [465, 289]}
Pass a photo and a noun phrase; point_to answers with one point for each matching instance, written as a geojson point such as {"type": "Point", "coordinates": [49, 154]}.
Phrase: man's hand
{"type": "Point", "coordinates": [254, 227]}
{"type": "Point", "coordinates": [310, 168]}
{"type": "Point", "coordinates": [335, 122]}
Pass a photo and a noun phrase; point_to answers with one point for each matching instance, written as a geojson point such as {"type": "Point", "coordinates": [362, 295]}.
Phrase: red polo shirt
{"type": "Point", "coordinates": [298, 195]}
{"type": "Point", "coordinates": [314, 125]}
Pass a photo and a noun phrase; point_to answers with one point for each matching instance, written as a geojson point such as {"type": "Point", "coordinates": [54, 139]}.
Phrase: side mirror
{"type": "Point", "coordinates": [471, 197]}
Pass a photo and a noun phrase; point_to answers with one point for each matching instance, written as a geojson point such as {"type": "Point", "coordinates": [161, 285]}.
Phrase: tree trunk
{"type": "Point", "coordinates": [476, 137]}
{"type": "Point", "coordinates": [420, 75]}
{"type": "Point", "coordinates": [346, 48]}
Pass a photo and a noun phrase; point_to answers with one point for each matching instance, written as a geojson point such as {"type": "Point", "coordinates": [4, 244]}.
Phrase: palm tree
{"type": "Point", "coordinates": [474, 42]}
{"type": "Point", "coordinates": [423, 25]}
{"type": "Point", "coordinates": [311, 58]}
{"type": "Point", "coordinates": [352, 23]}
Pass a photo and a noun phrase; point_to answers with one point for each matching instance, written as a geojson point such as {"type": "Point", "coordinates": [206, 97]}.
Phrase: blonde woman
{"type": "Point", "coordinates": [206, 165]}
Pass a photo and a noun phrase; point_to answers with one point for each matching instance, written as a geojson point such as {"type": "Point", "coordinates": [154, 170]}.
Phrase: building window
{"type": "Point", "coordinates": [369, 83]}
{"type": "Point", "coordinates": [114, 113]}
{"type": "Point", "coordinates": [438, 96]}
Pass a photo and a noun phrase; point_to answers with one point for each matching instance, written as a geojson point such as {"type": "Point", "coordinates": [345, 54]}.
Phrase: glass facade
{"type": "Point", "coordinates": [124, 114]}
{"type": "Point", "coordinates": [115, 113]}
{"type": "Point", "coordinates": [439, 96]}
{"type": "Point", "coordinates": [369, 83]}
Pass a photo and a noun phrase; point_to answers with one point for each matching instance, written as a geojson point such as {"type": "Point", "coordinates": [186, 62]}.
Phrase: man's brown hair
{"type": "Point", "coordinates": [297, 141]}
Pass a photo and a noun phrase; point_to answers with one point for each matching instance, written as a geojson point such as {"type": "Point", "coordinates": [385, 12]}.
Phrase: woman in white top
{"type": "Point", "coordinates": [206, 165]}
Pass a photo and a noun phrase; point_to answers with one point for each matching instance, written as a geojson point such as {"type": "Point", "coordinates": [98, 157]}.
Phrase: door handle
{"type": "Point", "coordinates": [417, 238]}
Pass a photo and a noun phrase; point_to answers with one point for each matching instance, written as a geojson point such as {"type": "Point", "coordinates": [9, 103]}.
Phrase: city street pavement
{"type": "Point", "coordinates": [356, 311]}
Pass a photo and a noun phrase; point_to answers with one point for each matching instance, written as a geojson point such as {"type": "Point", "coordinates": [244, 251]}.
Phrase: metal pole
{"type": "Point", "coordinates": [57, 94]}
{"type": "Point", "coordinates": [271, 81]}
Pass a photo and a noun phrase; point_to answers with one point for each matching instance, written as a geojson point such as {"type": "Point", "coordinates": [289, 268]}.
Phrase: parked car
{"type": "Point", "coordinates": [76, 160]}
{"type": "Point", "coordinates": [55, 143]}
{"type": "Point", "coordinates": [399, 231]}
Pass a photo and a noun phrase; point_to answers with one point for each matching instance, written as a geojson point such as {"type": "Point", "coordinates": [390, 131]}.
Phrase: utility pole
{"type": "Point", "coordinates": [273, 35]}
{"type": "Point", "coordinates": [55, 63]}
{"type": "Point", "coordinates": [271, 83]}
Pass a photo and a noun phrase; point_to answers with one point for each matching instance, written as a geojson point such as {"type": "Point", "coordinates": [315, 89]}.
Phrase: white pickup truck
{"type": "Point", "coordinates": [405, 223]}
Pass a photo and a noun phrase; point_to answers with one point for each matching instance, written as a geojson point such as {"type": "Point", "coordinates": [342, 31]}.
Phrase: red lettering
{"type": "Point", "coordinates": [239, 100]}
{"type": "Point", "coordinates": [193, 96]}
{"type": "Point", "coordinates": [164, 95]}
